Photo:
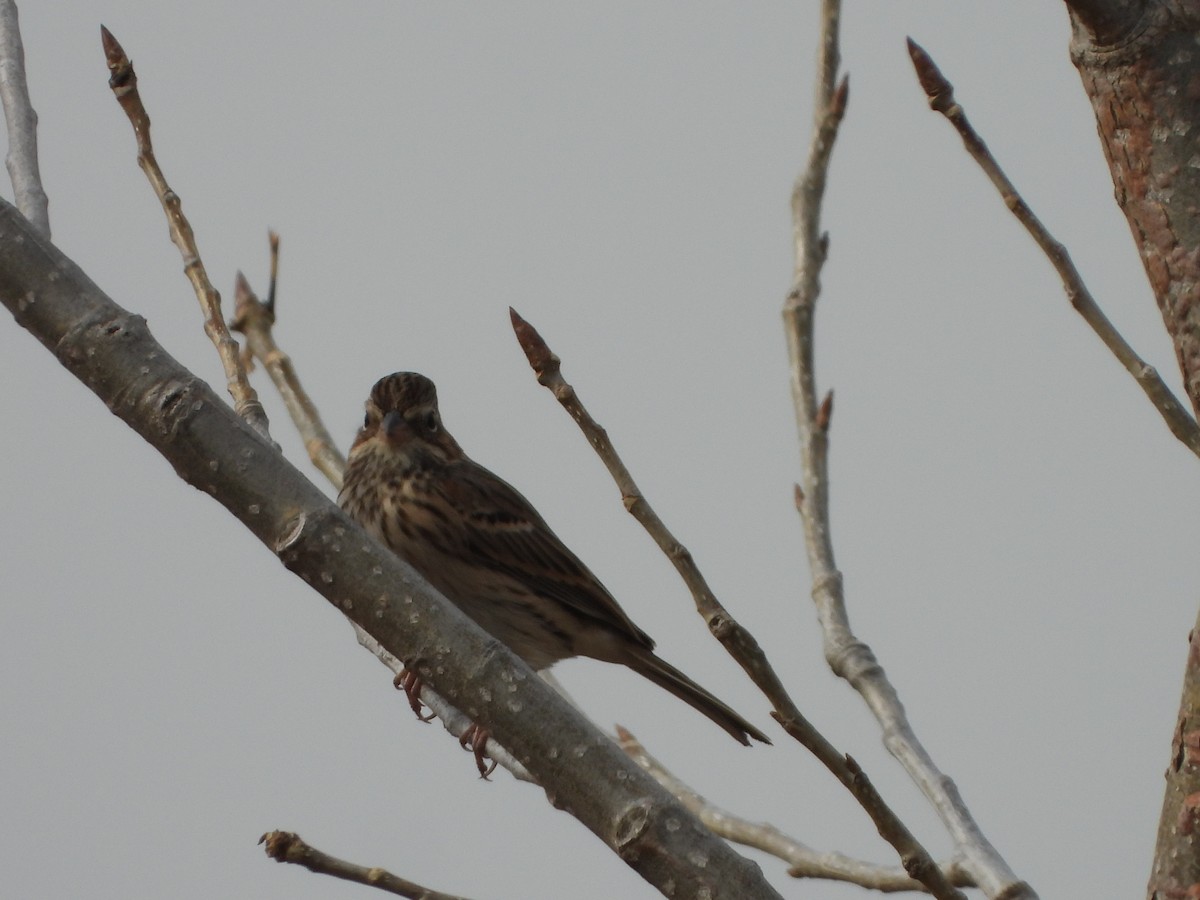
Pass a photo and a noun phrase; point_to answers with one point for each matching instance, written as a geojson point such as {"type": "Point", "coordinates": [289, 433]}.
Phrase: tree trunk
{"type": "Point", "coordinates": [1140, 65]}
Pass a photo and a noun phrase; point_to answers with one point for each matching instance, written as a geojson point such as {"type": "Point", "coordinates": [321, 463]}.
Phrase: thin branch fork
{"type": "Point", "coordinates": [848, 656]}
{"type": "Point", "coordinates": [803, 861]}
{"type": "Point", "coordinates": [254, 320]}
{"type": "Point", "coordinates": [123, 81]}
{"type": "Point", "coordinates": [941, 99]}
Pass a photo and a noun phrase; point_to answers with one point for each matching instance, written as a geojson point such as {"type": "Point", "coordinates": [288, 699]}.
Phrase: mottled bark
{"type": "Point", "coordinates": [1140, 65]}
{"type": "Point", "coordinates": [1107, 21]}
{"type": "Point", "coordinates": [1176, 870]}
{"type": "Point", "coordinates": [1144, 84]}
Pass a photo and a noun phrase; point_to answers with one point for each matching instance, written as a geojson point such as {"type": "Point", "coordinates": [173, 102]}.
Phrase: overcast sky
{"type": "Point", "coordinates": [1015, 523]}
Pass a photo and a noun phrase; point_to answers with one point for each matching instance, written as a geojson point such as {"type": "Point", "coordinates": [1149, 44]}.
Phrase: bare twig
{"type": "Point", "coordinates": [803, 861]}
{"type": "Point", "coordinates": [288, 847]}
{"type": "Point", "coordinates": [848, 657]}
{"type": "Point", "coordinates": [254, 320]}
{"type": "Point", "coordinates": [941, 99]}
{"type": "Point", "coordinates": [22, 161]}
{"type": "Point", "coordinates": [739, 642]}
{"type": "Point", "coordinates": [123, 81]}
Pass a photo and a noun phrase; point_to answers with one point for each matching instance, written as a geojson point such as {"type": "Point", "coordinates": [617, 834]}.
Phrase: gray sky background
{"type": "Point", "coordinates": [1016, 525]}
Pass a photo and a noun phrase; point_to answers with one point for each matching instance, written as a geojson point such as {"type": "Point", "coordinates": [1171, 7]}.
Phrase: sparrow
{"type": "Point", "coordinates": [477, 540]}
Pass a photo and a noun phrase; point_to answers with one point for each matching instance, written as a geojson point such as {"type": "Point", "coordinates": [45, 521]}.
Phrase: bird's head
{"type": "Point", "coordinates": [402, 418]}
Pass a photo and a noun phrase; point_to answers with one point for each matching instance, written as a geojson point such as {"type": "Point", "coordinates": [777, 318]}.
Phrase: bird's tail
{"type": "Point", "coordinates": [665, 675]}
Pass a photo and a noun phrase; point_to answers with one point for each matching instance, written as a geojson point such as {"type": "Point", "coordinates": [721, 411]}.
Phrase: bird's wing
{"type": "Point", "coordinates": [502, 529]}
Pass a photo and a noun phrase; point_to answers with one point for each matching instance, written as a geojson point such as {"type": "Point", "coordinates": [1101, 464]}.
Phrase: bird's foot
{"type": "Point", "coordinates": [410, 683]}
{"type": "Point", "coordinates": [475, 739]}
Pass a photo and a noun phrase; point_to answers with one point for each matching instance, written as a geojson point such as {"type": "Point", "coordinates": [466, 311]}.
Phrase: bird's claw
{"type": "Point", "coordinates": [410, 683]}
{"type": "Point", "coordinates": [475, 739]}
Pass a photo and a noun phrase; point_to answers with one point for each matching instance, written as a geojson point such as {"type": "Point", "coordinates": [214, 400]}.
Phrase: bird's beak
{"type": "Point", "coordinates": [393, 425]}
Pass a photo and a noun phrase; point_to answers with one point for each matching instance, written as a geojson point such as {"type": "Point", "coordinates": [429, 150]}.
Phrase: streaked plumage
{"type": "Point", "coordinates": [484, 546]}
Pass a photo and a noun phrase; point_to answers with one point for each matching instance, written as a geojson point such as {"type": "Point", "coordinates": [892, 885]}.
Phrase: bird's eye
{"type": "Point", "coordinates": [431, 422]}
{"type": "Point", "coordinates": [367, 421]}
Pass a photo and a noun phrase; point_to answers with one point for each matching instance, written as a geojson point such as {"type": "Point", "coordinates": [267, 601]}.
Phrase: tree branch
{"type": "Point", "coordinates": [803, 861]}
{"type": "Point", "coordinates": [22, 161]}
{"type": "Point", "coordinates": [287, 847]}
{"type": "Point", "coordinates": [253, 319]}
{"type": "Point", "coordinates": [123, 82]}
{"type": "Point", "coordinates": [849, 657]}
{"type": "Point", "coordinates": [740, 643]}
{"type": "Point", "coordinates": [1143, 94]}
{"type": "Point", "coordinates": [941, 99]}
{"type": "Point", "coordinates": [737, 640]}
{"type": "Point", "coordinates": [213, 449]}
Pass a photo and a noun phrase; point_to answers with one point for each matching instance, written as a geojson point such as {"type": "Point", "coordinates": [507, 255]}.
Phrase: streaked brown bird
{"type": "Point", "coordinates": [483, 545]}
